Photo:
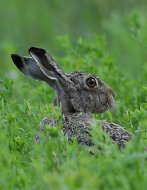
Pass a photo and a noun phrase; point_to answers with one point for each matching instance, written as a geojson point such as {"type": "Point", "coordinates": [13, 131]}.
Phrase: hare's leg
{"type": "Point", "coordinates": [117, 134]}
{"type": "Point", "coordinates": [43, 122]}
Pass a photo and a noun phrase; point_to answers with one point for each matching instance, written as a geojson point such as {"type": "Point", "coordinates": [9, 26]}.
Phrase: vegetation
{"type": "Point", "coordinates": [113, 48]}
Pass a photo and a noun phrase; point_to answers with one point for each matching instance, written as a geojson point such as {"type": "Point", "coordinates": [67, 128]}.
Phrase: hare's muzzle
{"type": "Point", "coordinates": [110, 98]}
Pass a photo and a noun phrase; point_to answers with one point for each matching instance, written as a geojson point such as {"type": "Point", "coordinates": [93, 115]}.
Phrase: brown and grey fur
{"type": "Point", "coordinates": [78, 100]}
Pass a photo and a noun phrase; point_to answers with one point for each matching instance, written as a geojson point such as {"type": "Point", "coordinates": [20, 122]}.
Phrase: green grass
{"type": "Point", "coordinates": [107, 39]}
{"type": "Point", "coordinates": [56, 164]}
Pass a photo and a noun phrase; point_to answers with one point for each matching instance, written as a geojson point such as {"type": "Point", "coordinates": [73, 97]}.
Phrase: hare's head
{"type": "Point", "coordinates": [77, 92]}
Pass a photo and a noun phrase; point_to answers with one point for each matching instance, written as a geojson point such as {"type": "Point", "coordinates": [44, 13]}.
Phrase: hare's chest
{"type": "Point", "coordinates": [77, 128]}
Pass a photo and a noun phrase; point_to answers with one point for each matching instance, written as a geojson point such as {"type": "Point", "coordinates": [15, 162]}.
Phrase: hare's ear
{"type": "Point", "coordinates": [62, 84]}
{"type": "Point", "coordinates": [50, 68]}
{"type": "Point", "coordinates": [29, 67]}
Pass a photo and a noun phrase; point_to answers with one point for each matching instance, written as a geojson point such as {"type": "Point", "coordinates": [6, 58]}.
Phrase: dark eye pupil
{"type": "Point", "coordinates": [91, 82]}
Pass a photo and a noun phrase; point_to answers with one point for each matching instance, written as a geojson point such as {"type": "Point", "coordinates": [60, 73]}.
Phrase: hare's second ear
{"type": "Point", "coordinates": [63, 85]}
{"type": "Point", "coordinates": [29, 67]}
{"type": "Point", "coordinates": [48, 66]}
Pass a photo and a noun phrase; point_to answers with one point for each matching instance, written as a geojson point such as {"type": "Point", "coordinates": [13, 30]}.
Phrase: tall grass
{"type": "Point", "coordinates": [56, 164]}
{"type": "Point", "coordinates": [108, 40]}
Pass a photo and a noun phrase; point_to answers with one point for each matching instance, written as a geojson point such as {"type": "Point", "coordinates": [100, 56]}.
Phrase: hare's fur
{"type": "Point", "coordinates": [79, 94]}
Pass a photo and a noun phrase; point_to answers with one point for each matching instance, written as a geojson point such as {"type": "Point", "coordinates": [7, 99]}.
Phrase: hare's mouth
{"type": "Point", "coordinates": [110, 102]}
{"type": "Point", "coordinates": [104, 103]}
{"type": "Point", "coordinates": [108, 105]}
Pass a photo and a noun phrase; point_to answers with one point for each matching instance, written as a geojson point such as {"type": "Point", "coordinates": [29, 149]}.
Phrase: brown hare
{"type": "Point", "coordinates": [79, 94]}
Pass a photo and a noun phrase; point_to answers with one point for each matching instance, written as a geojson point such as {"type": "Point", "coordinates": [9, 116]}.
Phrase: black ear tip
{"type": "Point", "coordinates": [13, 56]}
{"type": "Point", "coordinates": [32, 49]}
{"type": "Point", "coordinates": [16, 58]}
{"type": "Point", "coordinates": [37, 51]}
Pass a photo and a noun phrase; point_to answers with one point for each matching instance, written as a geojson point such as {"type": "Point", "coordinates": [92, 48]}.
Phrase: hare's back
{"type": "Point", "coordinates": [118, 134]}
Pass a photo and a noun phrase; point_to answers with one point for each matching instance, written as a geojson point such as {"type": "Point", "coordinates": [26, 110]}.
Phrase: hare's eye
{"type": "Point", "coordinates": [72, 79]}
{"type": "Point", "coordinates": [91, 82]}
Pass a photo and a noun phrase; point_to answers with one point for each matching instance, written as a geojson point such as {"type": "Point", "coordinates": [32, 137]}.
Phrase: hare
{"type": "Point", "coordinates": [79, 94]}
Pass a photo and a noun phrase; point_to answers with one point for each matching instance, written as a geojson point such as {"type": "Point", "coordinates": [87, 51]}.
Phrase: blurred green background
{"type": "Point", "coordinates": [38, 23]}
{"type": "Point", "coordinates": [107, 38]}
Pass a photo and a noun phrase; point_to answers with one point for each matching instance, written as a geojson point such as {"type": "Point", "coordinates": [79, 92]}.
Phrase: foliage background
{"type": "Point", "coordinates": [107, 38]}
